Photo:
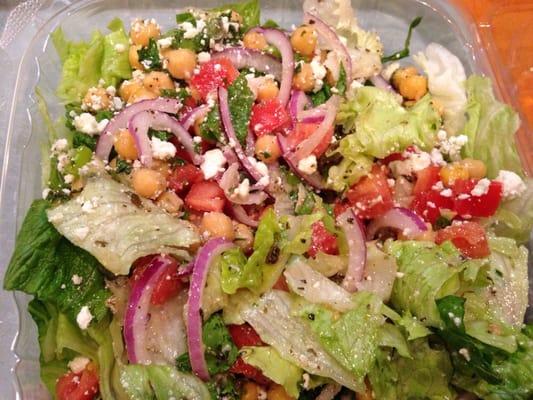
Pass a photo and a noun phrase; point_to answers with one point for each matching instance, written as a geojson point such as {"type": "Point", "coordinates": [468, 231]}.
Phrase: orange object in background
{"type": "Point", "coordinates": [505, 30]}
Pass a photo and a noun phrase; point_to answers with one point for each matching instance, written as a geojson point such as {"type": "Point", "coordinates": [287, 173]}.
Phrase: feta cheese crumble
{"type": "Point", "coordinates": [84, 318]}
{"type": "Point", "coordinates": [78, 364]}
{"type": "Point", "coordinates": [165, 42]}
{"type": "Point", "coordinates": [76, 279]}
{"type": "Point", "coordinates": [161, 149]}
{"type": "Point", "coordinates": [308, 165]}
{"type": "Point", "coordinates": [319, 73]}
{"type": "Point", "coordinates": [513, 185]}
{"type": "Point", "coordinates": [481, 188]}
{"type": "Point", "coordinates": [213, 163]}
{"type": "Point", "coordinates": [87, 123]}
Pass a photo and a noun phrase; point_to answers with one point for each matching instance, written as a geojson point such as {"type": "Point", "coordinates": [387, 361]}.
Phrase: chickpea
{"type": "Point", "coordinates": [197, 126]}
{"type": "Point", "coordinates": [303, 40]}
{"type": "Point", "coordinates": [254, 41]}
{"type": "Point", "coordinates": [268, 90]}
{"type": "Point", "coordinates": [304, 79]}
{"type": "Point", "coordinates": [162, 167]}
{"type": "Point", "coordinates": [195, 94]}
{"type": "Point", "coordinates": [127, 89]}
{"type": "Point", "coordinates": [143, 30]}
{"type": "Point", "coordinates": [125, 145]}
{"type": "Point", "coordinates": [97, 99]}
{"type": "Point", "coordinates": [141, 94]}
{"type": "Point", "coordinates": [277, 392]}
{"type": "Point", "coordinates": [401, 74]}
{"type": "Point", "coordinates": [236, 17]}
{"type": "Point", "coordinates": [476, 168]}
{"type": "Point", "coordinates": [250, 391]}
{"type": "Point", "coordinates": [452, 172]}
{"type": "Point", "coordinates": [148, 183]}
{"type": "Point", "coordinates": [217, 224]}
{"type": "Point", "coordinates": [267, 148]}
{"type": "Point", "coordinates": [155, 81]}
{"type": "Point", "coordinates": [170, 202]}
{"type": "Point", "coordinates": [414, 87]}
{"type": "Point", "coordinates": [181, 63]}
{"type": "Point", "coordinates": [244, 236]}
{"type": "Point", "coordinates": [133, 57]}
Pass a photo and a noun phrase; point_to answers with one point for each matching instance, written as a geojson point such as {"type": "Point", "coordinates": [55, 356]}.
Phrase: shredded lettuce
{"type": "Point", "coordinates": [236, 272]}
{"type": "Point", "coordinates": [250, 11]}
{"type": "Point", "coordinates": [491, 128]}
{"type": "Point", "coordinates": [130, 232]}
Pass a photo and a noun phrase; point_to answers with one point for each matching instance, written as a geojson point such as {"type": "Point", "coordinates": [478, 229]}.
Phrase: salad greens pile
{"type": "Point", "coordinates": [296, 216]}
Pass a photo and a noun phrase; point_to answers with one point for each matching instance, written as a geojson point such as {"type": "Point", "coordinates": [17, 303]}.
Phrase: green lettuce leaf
{"type": "Point", "coordinates": [273, 366]}
{"type": "Point", "coordinates": [491, 128]}
{"type": "Point", "coordinates": [236, 273]}
{"type": "Point", "coordinates": [44, 263]}
{"type": "Point", "coordinates": [428, 272]}
{"type": "Point", "coordinates": [131, 232]}
{"type": "Point", "coordinates": [158, 382]}
{"type": "Point", "coordinates": [115, 65]}
{"type": "Point", "coordinates": [250, 11]}
{"type": "Point", "coordinates": [240, 101]}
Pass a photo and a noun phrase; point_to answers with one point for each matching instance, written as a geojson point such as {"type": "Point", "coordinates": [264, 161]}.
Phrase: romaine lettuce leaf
{"type": "Point", "coordinates": [115, 65]}
{"type": "Point", "coordinates": [130, 232]}
{"type": "Point", "coordinates": [273, 366]}
{"type": "Point", "coordinates": [250, 11]}
{"type": "Point", "coordinates": [44, 263]}
{"type": "Point", "coordinates": [491, 128]}
{"type": "Point", "coordinates": [236, 272]}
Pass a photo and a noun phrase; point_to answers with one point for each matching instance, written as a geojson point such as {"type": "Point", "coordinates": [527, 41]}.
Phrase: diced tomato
{"type": "Point", "coordinates": [244, 335]}
{"type": "Point", "coordinates": [205, 196]}
{"type": "Point", "coordinates": [371, 196]}
{"type": "Point", "coordinates": [181, 153]}
{"type": "Point", "coordinates": [183, 177]}
{"type": "Point", "coordinates": [340, 206]}
{"type": "Point", "coordinates": [214, 74]}
{"type": "Point", "coordinates": [82, 386]}
{"type": "Point", "coordinates": [241, 367]}
{"type": "Point", "coordinates": [466, 204]}
{"type": "Point", "coordinates": [469, 237]}
{"type": "Point", "coordinates": [268, 117]}
{"type": "Point", "coordinates": [398, 156]}
{"type": "Point", "coordinates": [426, 178]}
{"type": "Point", "coordinates": [322, 240]}
{"type": "Point", "coordinates": [139, 266]}
{"type": "Point", "coordinates": [281, 284]}
{"type": "Point", "coordinates": [428, 205]}
{"type": "Point", "coordinates": [303, 130]}
{"type": "Point", "coordinates": [168, 285]}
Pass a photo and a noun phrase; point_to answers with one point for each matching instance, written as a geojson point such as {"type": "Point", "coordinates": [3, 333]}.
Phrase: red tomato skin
{"type": "Point", "coordinates": [476, 206]}
{"type": "Point", "coordinates": [281, 284]}
{"type": "Point", "coordinates": [428, 205]}
{"type": "Point", "coordinates": [340, 206]}
{"type": "Point", "coordinates": [241, 367]}
{"type": "Point", "coordinates": [183, 177]}
{"type": "Point", "coordinates": [244, 335]}
{"type": "Point", "coordinates": [168, 285]}
{"type": "Point", "coordinates": [426, 178]}
{"type": "Point", "coordinates": [205, 196]}
{"type": "Point", "coordinates": [469, 238]}
{"type": "Point", "coordinates": [139, 266]}
{"type": "Point", "coordinates": [82, 386]}
{"type": "Point", "coordinates": [268, 116]}
{"type": "Point", "coordinates": [322, 240]}
{"type": "Point", "coordinates": [212, 75]}
{"type": "Point", "coordinates": [302, 131]}
{"type": "Point", "coordinates": [364, 196]}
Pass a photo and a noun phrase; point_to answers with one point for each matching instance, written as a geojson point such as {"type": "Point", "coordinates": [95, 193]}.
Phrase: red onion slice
{"type": "Point", "coordinates": [190, 118]}
{"type": "Point", "coordinates": [240, 214]}
{"type": "Point", "coordinates": [141, 122]}
{"type": "Point", "coordinates": [306, 147]}
{"type": "Point", "coordinates": [298, 103]}
{"type": "Point", "coordinates": [380, 82]}
{"type": "Point", "coordinates": [402, 219]}
{"type": "Point", "coordinates": [279, 40]}
{"type": "Point", "coordinates": [204, 259]}
{"type": "Point", "coordinates": [231, 180]}
{"type": "Point", "coordinates": [120, 121]}
{"type": "Point", "coordinates": [136, 316]}
{"type": "Point", "coordinates": [242, 57]}
{"type": "Point", "coordinates": [331, 37]}
{"type": "Point", "coordinates": [232, 137]}
{"type": "Point", "coordinates": [250, 145]}
{"type": "Point", "coordinates": [355, 236]}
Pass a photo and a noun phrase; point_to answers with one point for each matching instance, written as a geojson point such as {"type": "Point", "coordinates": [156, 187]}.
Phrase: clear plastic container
{"type": "Point", "coordinates": [27, 60]}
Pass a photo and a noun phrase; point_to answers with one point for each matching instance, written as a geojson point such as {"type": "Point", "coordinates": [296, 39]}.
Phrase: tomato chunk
{"type": "Point", "coordinates": [269, 116]}
{"type": "Point", "coordinates": [168, 285]}
{"type": "Point", "coordinates": [469, 237]}
{"type": "Point", "coordinates": [281, 284]}
{"type": "Point", "coordinates": [468, 204]}
{"type": "Point", "coordinates": [371, 196]}
{"type": "Point", "coordinates": [303, 130]}
{"type": "Point", "coordinates": [244, 335]}
{"type": "Point", "coordinates": [241, 367]}
{"type": "Point", "coordinates": [322, 240]}
{"type": "Point", "coordinates": [214, 74]}
{"type": "Point", "coordinates": [205, 196]}
{"type": "Point", "coordinates": [426, 178]}
{"type": "Point", "coordinates": [429, 205]}
{"type": "Point", "coordinates": [81, 386]}
{"type": "Point", "coordinates": [183, 177]}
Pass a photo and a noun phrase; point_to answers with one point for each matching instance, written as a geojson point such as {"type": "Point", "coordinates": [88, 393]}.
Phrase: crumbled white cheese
{"type": "Point", "coordinates": [413, 163]}
{"type": "Point", "coordinates": [162, 150]}
{"type": "Point", "coordinates": [69, 178]}
{"type": "Point", "coordinates": [87, 123]}
{"type": "Point", "coordinates": [436, 158]}
{"type": "Point", "coordinates": [204, 57]}
{"type": "Point", "coordinates": [165, 42]}
{"type": "Point", "coordinates": [120, 48]}
{"type": "Point", "coordinates": [117, 103]}
{"type": "Point", "coordinates": [81, 232]}
{"type": "Point", "coordinates": [259, 166]}
{"type": "Point", "coordinates": [243, 190]}
{"type": "Point", "coordinates": [191, 31]}
{"type": "Point", "coordinates": [465, 353]}
{"type": "Point", "coordinates": [306, 381]}
{"type": "Point", "coordinates": [481, 188]}
{"type": "Point", "coordinates": [78, 364]}
{"type": "Point", "coordinates": [451, 145]}
{"type": "Point", "coordinates": [84, 318]}
{"type": "Point", "coordinates": [319, 73]}
{"type": "Point", "coordinates": [46, 192]}
{"type": "Point", "coordinates": [446, 193]}
{"type": "Point", "coordinates": [389, 70]}
{"type": "Point", "coordinates": [62, 161]}
{"type": "Point", "coordinates": [513, 185]}
{"type": "Point", "coordinates": [76, 279]}
{"type": "Point", "coordinates": [60, 145]}
{"type": "Point", "coordinates": [308, 165]}
{"type": "Point", "coordinates": [213, 163]}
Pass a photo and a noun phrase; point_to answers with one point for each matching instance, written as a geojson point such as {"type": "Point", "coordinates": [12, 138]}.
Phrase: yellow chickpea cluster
{"type": "Point", "coordinates": [252, 391]}
{"type": "Point", "coordinates": [409, 83]}
{"type": "Point", "coordinates": [97, 99]}
{"type": "Point", "coordinates": [461, 170]}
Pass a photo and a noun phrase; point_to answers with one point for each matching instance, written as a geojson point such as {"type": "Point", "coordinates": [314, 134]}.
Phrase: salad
{"type": "Point", "coordinates": [236, 210]}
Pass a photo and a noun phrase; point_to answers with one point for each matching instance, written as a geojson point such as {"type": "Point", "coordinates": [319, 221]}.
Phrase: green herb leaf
{"type": "Point", "coordinates": [82, 139]}
{"type": "Point", "coordinates": [250, 12]}
{"type": "Point", "coordinates": [307, 205]}
{"type": "Point", "coordinates": [240, 100]}
{"type": "Point", "coordinates": [149, 56]}
{"type": "Point", "coordinates": [161, 135]}
{"type": "Point", "coordinates": [123, 166]}
{"type": "Point", "coordinates": [180, 94]}
{"type": "Point", "coordinates": [211, 127]}
{"type": "Point", "coordinates": [185, 17]}
{"type": "Point", "coordinates": [405, 51]}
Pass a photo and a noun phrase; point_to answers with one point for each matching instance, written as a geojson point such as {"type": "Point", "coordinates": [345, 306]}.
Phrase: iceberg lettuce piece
{"type": "Point", "coordinates": [117, 227]}
{"type": "Point", "coordinates": [491, 128]}
{"type": "Point", "coordinates": [446, 81]}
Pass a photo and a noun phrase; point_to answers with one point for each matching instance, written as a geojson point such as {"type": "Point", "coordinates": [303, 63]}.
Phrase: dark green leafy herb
{"type": "Point", "coordinates": [103, 114]}
{"type": "Point", "coordinates": [211, 127]}
{"type": "Point", "coordinates": [442, 222]}
{"type": "Point", "coordinates": [161, 135]}
{"type": "Point", "coordinates": [250, 12]}
{"type": "Point", "coordinates": [405, 51]}
{"type": "Point", "coordinates": [341, 82]}
{"type": "Point", "coordinates": [82, 139]}
{"type": "Point", "coordinates": [240, 100]}
{"type": "Point", "coordinates": [270, 23]}
{"type": "Point", "coordinates": [325, 93]}
{"type": "Point", "coordinates": [71, 110]}
{"type": "Point", "coordinates": [307, 205]}
{"type": "Point", "coordinates": [185, 17]}
{"type": "Point", "coordinates": [180, 94]}
{"type": "Point", "coordinates": [149, 56]}
{"type": "Point", "coordinates": [123, 166]}
{"type": "Point", "coordinates": [223, 387]}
